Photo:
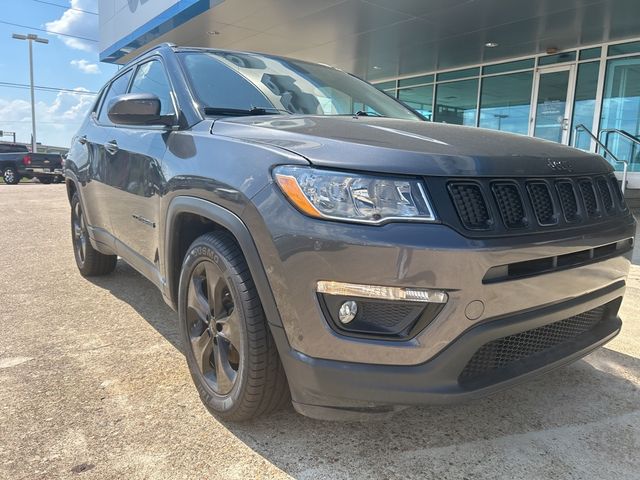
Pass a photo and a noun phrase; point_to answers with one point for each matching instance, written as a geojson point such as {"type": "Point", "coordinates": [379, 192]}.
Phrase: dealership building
{"type": "Point", "coordinates": [563, 70]}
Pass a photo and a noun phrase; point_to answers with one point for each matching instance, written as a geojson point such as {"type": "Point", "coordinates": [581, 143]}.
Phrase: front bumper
{"type": "Point", "coordinates": [298, 251]}
{"type": "Point", "coordinates": [329, 369]}
{"type": "Point", "coordinates": [328, 389]}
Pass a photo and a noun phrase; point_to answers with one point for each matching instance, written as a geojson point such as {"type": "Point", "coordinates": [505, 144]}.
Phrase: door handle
{"type": "Point", "coordinates": [111, 147]}
{"type": "Point", "coordinates": [82, 139]}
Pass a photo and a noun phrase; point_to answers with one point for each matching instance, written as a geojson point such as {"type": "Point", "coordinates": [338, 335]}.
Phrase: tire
{"type": "Point", "coordinates": [45, 180]}
{"type": "Point", "coordinates": [230, 352]}
{"type": "Point", "coordinates": [11, 176]}
{"type": "Point", "coordinates": [90, 262]}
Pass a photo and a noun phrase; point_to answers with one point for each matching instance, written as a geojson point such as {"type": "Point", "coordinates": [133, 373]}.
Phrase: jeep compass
{"type": "Point", "coordinates": [324, 245]}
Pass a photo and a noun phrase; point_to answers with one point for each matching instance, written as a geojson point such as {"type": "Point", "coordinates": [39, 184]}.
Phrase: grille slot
{"type": "Point", "coordinates": [589, 197]}
{"type": "Point", "coordinates": [542, 203]}
{"type": "Point", "coordinates": [605, 194]}
{"type": "Point", "coordinates": [503, 352]}
{"type": "Point", "coordinates": [470, 205]}
{"type": "Point", "coordinates": [509, 202]}
{"type": "Point", "coordinates": [568, 200]}
{"type": "Point", "coordinates": [615, 186]}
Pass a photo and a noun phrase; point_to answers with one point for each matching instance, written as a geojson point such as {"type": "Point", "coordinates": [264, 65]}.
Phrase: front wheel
{"type": "Point", "coordinates": [90, 262]}
{"type": "Point", "coordinates": [231, 354]}
{"type": "Point", "coordinates": [10, 176]}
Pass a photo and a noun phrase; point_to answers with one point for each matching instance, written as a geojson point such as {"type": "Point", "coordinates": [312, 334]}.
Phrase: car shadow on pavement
{"type": "Point", "coordinates": [604, 388]}
{"type": "Point", "coordinates": [544, 411]}
{"type": "Point", "coordinates": [126, 284]}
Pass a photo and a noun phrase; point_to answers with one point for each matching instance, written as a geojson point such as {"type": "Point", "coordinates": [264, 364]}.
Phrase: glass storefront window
{"type": "Point", "coordinates": [390, 85]}
{"type": "Point", "coordinates": [585, 102]}
{"type": "Point", "coordinates": [505, 102]}
{"type": "Point", "coordinates": [557, 58]}
{"type": "Point", "coordinates": [419, 98]}
{"type": "Point", "coordinates": [454, 75]}
{"type": "Point", "coordinates": [590, 53]}
{"type": "Point", "coordinates": [456, 102]}
{"type": "Point", "coordinates": [508, 66]}
{"type": "Point", "coordinates": [421, 80]}
{"type": "Point", "coordinates": [624, 48]}
{"type": "Point", "coordinates": [621, 108]}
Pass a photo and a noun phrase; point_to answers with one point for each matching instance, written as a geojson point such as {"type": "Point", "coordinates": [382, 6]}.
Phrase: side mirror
{"type": "Point", "coordinates": [138, 109]}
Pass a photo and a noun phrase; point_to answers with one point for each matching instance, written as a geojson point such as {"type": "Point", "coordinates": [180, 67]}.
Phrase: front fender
{"type": "Point", "coordinates": [231, 222]}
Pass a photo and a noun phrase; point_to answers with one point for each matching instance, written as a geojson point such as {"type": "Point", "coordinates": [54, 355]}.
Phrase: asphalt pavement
{"type": "Point", "coordinates": [93, 385]}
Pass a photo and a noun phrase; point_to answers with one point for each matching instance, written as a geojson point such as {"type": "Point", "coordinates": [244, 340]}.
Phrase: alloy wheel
{"type": "Point", "coordinates": [214, 327]}
{"type": "Point", "coordinates": [9, 176]}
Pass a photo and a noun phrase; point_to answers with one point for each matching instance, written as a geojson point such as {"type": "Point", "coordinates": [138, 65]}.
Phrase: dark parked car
{"type": "Point", "coordinates": [317, 238]}
{"type": "Point", "coordinates": [17, 162]}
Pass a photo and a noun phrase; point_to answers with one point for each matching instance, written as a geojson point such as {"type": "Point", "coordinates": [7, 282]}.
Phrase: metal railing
{"type": "Point", "coordinates": [625, 168]}
{"type": "Point", "coordinates": [624, 134]}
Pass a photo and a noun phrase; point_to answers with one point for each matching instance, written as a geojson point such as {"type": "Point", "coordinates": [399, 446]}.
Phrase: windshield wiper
{"type": "Point", "coordinates": [239, 112]}
{"type": "Point", "coordinates": [361, 113]}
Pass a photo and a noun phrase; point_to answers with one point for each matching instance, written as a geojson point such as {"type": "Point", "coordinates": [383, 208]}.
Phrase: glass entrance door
{"type": "Point", "coordinates": [552, 106]}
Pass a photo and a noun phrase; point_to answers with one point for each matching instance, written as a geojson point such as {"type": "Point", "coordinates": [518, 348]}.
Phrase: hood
{"type": "Point", "coordinates": [414, 148]}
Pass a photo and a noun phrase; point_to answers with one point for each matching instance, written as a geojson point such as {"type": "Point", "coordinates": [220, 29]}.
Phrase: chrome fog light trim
{"type": "Point", "coordinates": [384, 293]}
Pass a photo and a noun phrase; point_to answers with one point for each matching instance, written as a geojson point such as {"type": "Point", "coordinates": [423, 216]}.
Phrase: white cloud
{"type": "Point", "coordinates": [56, 122]}
{"type": "Point", "coordinates": [85, 66]}
{"type": "Point", "coordinates": [78, 23]}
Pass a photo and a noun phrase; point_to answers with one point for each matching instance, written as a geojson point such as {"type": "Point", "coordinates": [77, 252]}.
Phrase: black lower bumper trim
{"type": "Point", "coordinates": [343, 385]}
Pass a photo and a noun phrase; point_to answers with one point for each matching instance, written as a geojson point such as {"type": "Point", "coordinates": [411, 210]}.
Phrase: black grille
{"type": "Point", "coordinates": [589, 197]}
{"type": "Point", "coordinates": [501, 353]}
{"type": "Point", "coordinates": [568, 200]}
{"type": "Point", "coordinates": [510, 205]}
{"type": "Point", "coordinates": [470, 205]}
{"type": "Point", "coordinates": [542, 203]}
{"type": "Point", "coordinates": [500, 206]}
{"type": "Point", "coordinates": [605, 194]}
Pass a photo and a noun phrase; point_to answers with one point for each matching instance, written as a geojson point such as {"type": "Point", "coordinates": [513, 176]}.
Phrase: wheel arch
{"type": "Point", "coordinates": [71, 188]}
{"type": "Point", "coordinates": [9, 164]}
{"type": "Point", "coordinates": [180, 231]}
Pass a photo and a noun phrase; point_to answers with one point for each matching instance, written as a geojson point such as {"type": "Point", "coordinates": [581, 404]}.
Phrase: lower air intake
{"type": "Point", "coordinates": [503, 352]}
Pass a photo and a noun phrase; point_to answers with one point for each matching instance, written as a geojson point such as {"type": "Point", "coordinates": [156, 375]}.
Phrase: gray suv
{"type": "Point", "coordinates": [323, 244]}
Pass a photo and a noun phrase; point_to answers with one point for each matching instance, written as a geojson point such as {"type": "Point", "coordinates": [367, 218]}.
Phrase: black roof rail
{"type": "Point", "coordinates": [148, 50]}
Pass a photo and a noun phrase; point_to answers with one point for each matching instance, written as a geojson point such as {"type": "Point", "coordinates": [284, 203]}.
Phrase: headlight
{"type": "Point", "coordinates": [353, 197]}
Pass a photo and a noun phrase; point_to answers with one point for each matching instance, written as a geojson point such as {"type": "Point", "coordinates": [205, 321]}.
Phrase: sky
{"type": "Point", "coordinates": [67, 62]}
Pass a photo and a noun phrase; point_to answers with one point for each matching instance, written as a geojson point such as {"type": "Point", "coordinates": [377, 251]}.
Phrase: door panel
{"type": "Point", "coordinates": [86, 154]}
{"type": "Point", "coordinates": [134, 173]}
{"type": "Point", "coordinates": [135, 178]}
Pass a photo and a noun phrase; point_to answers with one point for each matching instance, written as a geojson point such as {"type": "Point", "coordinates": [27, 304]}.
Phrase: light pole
{"type": "Point", "coordinates": [31, 38]}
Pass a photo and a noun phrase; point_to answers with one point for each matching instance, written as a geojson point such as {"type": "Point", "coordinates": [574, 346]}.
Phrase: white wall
{"type": "Point", "coordinates": [119, 18]}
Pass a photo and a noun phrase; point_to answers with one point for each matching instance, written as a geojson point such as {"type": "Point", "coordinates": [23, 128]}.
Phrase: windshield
{"type": "Point", "coordinates": [233, 83]}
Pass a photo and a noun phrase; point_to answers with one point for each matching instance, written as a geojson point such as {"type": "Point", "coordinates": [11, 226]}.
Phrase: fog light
{"type": "Point", "coordinates": [348, 311]}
